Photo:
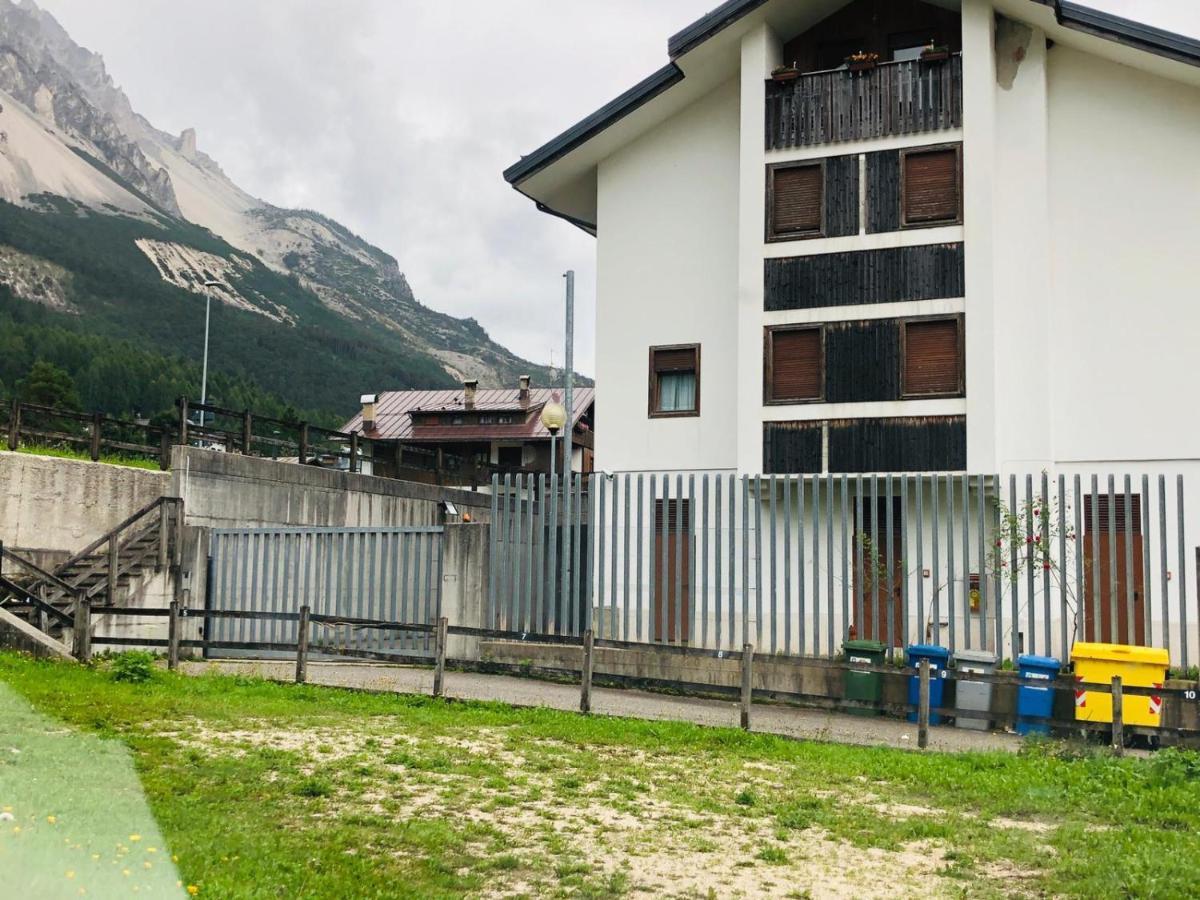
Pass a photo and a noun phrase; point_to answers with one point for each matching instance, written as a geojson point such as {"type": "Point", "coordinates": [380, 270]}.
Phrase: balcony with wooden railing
{"type": "Point", "coordinates": [892, 98]}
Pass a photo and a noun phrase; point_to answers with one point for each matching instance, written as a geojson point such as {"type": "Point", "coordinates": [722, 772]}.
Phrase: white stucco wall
{"type": "Point", "coordinates": [1124, 187]}
{"type": "Point", "coordinates": [667, 271]}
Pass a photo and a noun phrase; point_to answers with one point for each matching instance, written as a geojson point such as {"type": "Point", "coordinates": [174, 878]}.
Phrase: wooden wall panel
{"type": "Point", "coordinates": [922, 444]}
{"type": "Point", "coordinates": [890, 275]}
{"type": "Point", "coordinates": [883, 191]}
{"type": "Point", "coordinates": [792, 448]}
{"type": "Point", "coordinates": [862, 361]}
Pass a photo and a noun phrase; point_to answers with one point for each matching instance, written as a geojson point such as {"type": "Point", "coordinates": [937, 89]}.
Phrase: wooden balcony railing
{"type": "Point", "coordinates": [908, 97]}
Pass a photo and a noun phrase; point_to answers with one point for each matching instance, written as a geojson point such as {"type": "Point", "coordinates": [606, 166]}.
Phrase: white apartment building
{"type": "Point", "coordinates": [895, 236]}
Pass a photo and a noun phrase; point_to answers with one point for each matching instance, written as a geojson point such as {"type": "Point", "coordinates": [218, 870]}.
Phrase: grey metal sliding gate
{"type": "Point", "coordinates": [796, 564]}
{"type": "Point", "coordinates": [384, 574]}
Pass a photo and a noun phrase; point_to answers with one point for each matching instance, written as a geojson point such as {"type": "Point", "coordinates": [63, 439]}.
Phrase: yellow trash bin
{"type": "Point", "coordinates": [1137, 666]}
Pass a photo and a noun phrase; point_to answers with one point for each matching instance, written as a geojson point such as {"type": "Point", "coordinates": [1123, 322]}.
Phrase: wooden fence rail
{"type": "Point", "coordinates": [744, 694]}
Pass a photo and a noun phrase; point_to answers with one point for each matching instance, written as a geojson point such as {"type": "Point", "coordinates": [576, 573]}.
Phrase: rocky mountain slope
{"type": "Point", "coordinates": [81, 170]}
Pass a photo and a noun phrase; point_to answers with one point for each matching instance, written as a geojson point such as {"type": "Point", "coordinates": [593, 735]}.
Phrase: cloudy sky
{"type": "Point", "coordinates": [396, 117]}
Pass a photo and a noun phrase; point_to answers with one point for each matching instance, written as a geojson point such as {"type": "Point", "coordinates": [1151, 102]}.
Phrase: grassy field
{"type": "Point", "coordinates": [267, 790]}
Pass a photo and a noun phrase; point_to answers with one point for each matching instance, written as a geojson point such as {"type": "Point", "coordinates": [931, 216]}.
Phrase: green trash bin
{"type": "Point", "coordinates": [866, 686]}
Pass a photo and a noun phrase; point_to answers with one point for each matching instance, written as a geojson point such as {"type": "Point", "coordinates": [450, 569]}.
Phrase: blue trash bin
{"type": "Point", "coordinates": [939, 660]}
{"type": "Point", "coordinates": [1033, 701]}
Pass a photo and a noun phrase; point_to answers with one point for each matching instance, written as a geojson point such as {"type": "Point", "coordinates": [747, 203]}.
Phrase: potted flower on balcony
{"type": "Point", "coordinates": [862, 61]}
{"type": "Point", "coordinates": [935, 52]}
{"type": "Point", "coordinates": [783, 74]}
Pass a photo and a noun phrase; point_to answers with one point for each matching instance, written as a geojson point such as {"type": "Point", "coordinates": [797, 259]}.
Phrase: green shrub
{"type": "Point", "coordinates": [134, 667]}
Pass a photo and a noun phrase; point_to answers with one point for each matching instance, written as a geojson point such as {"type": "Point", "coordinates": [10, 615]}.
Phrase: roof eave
{"type": "Point", "coordinates": [601, 120]}
{"type": "Point", "coordinates": [1133, 34]}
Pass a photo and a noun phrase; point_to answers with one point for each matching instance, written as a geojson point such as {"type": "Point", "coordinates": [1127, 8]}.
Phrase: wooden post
{"type": "Point", "coordinates": [247, 433]}
{"type": "Point", "coordinates": [14, 426]}
{"type": "Point", "coordinates": [43, 622]}
{"type": "Point", "coordinates": [923, 707]}
{"type": "Point", "coordinates": [97, 425]}
{"type": "Point", "coordinates": [585, 681]}
{"type": "Point", "coordinates": [164, 450]}
{"type": "Point", "coordinates": [183, 421]}
{"type": "Point", "coordinates": [302, 646]}
{"type": "Point", "coordinates": [354, 452]}
{"type": "Point", "coordinates": [173, 637]}
{"type": "Point", "coordinates": [747, 684]}
{"type": "Point", "coordinates": [83, 628]}
{"type": "Point", "coordinates": [439, 663]}
{"type": "Point", "coordinates": [303, 449]}
{"type": "Point", "coordinates": [113, 561]}
{"type": "Point", "coordinates": [164, 534]}
{"type": "Point", "coordinates": [1118, 716]}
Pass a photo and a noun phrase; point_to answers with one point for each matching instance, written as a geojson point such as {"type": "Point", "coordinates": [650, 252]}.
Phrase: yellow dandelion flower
{"type": "Point", "coordinates": [146, 865]}
{"type": "Point", "coordinates": [70, 873]}
{"type": "Point", "coordinates": [135, 837]}
{"type": "Point", "coordinates": [151, 849]}
{"type": "Point", "coordinates": [193, 890]}
{"type": "Point", "coordinates": [95, 856]}
{"type": "Point", "coordinates": [126, 872]}
{"type": "Point", "coordinates": [51, 819]}
{"type": "Point", "coordinates": [174, 858]}
{"type": "Point", "coordinates": [5, 809]}
{"type": "Point", "coordinates": [16, 829]}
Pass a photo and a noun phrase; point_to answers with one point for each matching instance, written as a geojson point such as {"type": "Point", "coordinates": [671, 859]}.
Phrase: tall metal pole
{"type": "Point", "coordinates": [204, 369]}
{"type": "Point", "coordinates": [569, 428]}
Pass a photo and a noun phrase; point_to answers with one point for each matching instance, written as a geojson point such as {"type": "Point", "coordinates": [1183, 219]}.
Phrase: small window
{"type": "Point", "coordinates": [794, 365]}
{"type": "Point", "coordinates": [487, 420]}
{"type": "Point", "coordinates": [675, 381]}
{"type": "Point", "coordinates": [510, 457]}
{"type": "Point", "coordinates": [931, 186]}
{"type": "Point", "coordinates": [504, 420]}
{"type": "Point", "coordinates": [795, 200]}
{"type": "Point", "coordinates": [933, 358]}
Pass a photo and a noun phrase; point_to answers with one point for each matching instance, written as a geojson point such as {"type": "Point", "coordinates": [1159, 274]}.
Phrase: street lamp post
{"type": "Point", "coordinates": [554, 417]}
{"type": "Point", "coordinates": [204, 367]}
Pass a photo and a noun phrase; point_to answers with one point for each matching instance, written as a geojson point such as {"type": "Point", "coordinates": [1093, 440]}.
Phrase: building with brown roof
{"type": "Point", "coordinates": [463, 437]}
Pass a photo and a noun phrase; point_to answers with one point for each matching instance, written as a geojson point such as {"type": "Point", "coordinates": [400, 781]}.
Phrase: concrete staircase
{"type": "Point", "coordinates": [108, 572]}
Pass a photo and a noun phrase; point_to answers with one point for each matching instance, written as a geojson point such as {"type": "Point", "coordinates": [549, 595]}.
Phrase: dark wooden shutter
{"type": "Point", "coordinates": [675, 360]}
{"type": "Point", "coordinates": [1113, 519]}
{"type": "Point", "coordinates": [931, 186]}
{"type": "Point", "coordinates": [932, 361]}
{"type": "Point", "coordinates": [675, 509]}
{"type": "Point", "coordinates": [795, 364]}
{"type": "Point", "coordinates": [796, 200]}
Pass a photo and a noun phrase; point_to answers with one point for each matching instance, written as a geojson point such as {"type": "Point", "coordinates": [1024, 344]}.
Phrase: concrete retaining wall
{"type": "Point", "coordinates": [51, 507]}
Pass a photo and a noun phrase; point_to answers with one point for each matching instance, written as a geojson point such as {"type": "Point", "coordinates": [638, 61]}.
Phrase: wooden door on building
{"type": "Point", "coordinates": [672, 573]}
{"type": "Point", "coordinates": [1112, 533]}
{"type": "Point", "coordinates": [875, 564]}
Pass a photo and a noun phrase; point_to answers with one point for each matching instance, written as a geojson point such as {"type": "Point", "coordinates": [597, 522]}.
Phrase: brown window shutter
{"type": "Point", "coordinates": [796, 200]}
{"type": "Point", "coordinates": [932, 361]}
{"type": "Point", "coordinates": [931, 186]}
{"type": "Point", "coordinates": [1113, 519]}
{"type": "Point", "coordinates": [795, 364]}
{"type": "Point", "coordinates": [675, 360]}
{"type": "Point", "coordinates": [675, 509]}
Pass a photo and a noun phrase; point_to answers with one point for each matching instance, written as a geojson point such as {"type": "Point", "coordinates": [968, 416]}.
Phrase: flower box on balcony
{"type": "Point", "coordinates": [861, 62]}
{"type": "Point", "coordinates": [935, 54]}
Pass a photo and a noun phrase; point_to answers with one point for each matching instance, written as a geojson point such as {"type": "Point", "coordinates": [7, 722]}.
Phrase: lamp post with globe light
{"type": "Point", "coordinates": [554, 417]}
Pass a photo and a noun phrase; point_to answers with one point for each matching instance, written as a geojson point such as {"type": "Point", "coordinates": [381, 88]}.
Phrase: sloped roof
{"type": "Point", "coordinates": [1067, 13]}
{"type": "Point", "coordinates": [394, 409]}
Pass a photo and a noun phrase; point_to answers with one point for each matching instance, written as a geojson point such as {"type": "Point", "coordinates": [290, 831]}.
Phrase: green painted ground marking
{"type": "Point", "coordinates": [80, 825]}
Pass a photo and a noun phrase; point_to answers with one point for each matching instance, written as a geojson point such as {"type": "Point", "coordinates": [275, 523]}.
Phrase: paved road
{"type": "Point", "coordinates": [783, 720]}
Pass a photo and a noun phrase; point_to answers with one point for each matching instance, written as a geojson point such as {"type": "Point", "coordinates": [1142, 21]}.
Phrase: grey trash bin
{"type": "Point", "coordinates": [973, 695]}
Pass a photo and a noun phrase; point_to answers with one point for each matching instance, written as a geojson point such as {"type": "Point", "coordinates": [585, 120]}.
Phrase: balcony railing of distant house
{"type": "Point", "coordinates": [893, 98]}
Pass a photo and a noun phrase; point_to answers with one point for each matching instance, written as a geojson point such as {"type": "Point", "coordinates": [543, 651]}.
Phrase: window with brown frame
{"type": "Point", "coordinates": [931, 186]}
{"type": "Point", "coordinates": [795, 364]}
{"type": "Point", "coordinates": [932, 354]}
{"type": "Point", "coordinates": [795, 200]}
{"type": "Point", "coordinates": [675, 381]}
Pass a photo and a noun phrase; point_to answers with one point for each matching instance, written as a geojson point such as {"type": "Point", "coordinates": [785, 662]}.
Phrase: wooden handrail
{"type": "Point", "coordinates": [37, 570]}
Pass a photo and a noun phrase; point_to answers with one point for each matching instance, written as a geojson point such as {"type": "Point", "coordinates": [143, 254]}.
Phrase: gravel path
{"type": "Point", "coordinates": [769, 718]}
